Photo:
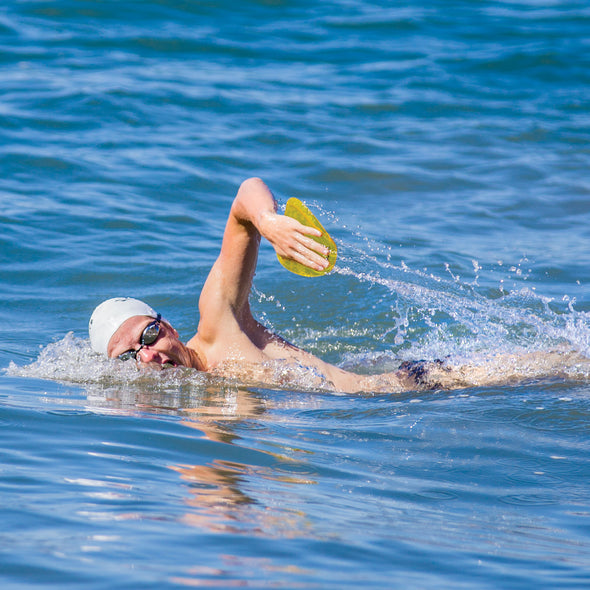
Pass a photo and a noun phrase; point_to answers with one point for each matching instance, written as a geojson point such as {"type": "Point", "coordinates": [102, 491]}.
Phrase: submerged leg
{"type": "Point", "coordinates": [500, 369]}
{"type": "Point", "coordinates": [511, 369]}
{"type": "Point", "coordinates": [504, 369]}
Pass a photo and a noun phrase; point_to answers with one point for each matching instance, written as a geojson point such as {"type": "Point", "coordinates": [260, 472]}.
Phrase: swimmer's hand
{"type": "Point", "coordinates": [294, 241]}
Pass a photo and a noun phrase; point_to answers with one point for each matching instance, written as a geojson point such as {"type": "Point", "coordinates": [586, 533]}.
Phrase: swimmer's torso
{"type": "Point", "coordinates": [252, 352]}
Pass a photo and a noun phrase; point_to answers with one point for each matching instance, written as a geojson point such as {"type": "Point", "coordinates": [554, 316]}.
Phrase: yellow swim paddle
{"type": "Point", "coordinates": [297, 210]}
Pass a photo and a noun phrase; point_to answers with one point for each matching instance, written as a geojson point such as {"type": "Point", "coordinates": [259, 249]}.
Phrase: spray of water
{"type": "Point", "coordinates": [72, 361]}
{"type": "Point", "coordinates": [440, 316]}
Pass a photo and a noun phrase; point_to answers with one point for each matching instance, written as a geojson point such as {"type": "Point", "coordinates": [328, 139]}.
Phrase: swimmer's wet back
{"type": "Point", "coordinates": [297, 210]}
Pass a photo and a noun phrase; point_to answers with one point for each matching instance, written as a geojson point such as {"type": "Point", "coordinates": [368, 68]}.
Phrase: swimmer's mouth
{"type": "Point", "coordinates": [160, 366]}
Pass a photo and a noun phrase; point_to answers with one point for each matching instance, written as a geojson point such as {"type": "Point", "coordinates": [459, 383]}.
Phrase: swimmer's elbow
{"type": "Point", "coordinates": [252, 183]}
{"type": "Point", "coordinates": [255, 188]}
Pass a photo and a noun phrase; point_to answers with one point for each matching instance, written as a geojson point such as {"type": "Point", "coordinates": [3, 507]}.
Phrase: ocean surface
{"type": "Point", "coordinates": [445, 145]}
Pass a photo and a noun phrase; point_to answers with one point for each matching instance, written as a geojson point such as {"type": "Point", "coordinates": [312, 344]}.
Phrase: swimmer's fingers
{"type": "Point", "coordinates": [303, 249]}
{"type": "Point", "coordinates": [292, 240]}
{"type": "Point", "coordinates": [318, 252]}
{"type": "Point", "coordinates": [308, 257]}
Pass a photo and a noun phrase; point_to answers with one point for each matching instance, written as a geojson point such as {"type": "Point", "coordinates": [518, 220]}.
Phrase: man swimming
{"type": "Point", "coordinates": [229, 340]}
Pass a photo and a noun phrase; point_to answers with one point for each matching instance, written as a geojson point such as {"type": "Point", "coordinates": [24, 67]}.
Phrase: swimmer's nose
{"type": "Point", "coordinates": [149, 355]}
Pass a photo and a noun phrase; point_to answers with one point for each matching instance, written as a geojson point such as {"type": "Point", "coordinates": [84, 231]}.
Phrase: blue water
{"type": "Point", "coordinates": [444, 145]}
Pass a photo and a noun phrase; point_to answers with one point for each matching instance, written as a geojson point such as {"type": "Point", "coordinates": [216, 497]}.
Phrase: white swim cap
{"type": "Point", "coordinates": [108, 317]}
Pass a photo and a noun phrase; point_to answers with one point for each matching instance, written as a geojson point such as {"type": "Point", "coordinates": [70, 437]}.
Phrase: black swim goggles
{"type": "Point", "coordinates": [148, 336]}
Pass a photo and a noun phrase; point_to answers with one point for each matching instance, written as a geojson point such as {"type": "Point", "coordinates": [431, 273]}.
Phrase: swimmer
{"type": "Point", "coordinates": [229, 340]}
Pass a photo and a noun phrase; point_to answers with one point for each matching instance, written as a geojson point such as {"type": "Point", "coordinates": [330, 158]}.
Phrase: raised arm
{"type": "Point", "coordinates": [253, 214]}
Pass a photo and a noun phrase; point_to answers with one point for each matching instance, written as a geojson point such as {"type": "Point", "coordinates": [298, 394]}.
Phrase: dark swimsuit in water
{"type": "Point", "coordinates": [418, 371]}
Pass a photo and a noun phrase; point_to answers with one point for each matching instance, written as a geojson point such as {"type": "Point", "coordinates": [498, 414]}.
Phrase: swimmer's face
{"type": "Point", "coordinates": [149, 341]}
